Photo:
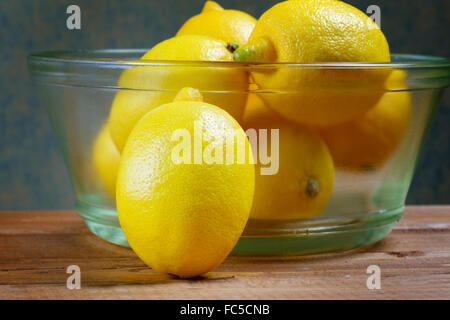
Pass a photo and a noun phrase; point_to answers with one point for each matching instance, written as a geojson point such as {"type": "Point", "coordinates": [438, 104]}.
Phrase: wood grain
{"type": "Point", "coordinates": [36, 247]}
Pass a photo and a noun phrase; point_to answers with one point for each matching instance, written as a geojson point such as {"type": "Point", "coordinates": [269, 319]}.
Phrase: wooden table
{"type": "Point", "coordinates": [36, 247]}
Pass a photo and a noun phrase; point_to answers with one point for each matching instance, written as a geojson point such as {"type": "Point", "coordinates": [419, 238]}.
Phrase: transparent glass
{"type": "Point", "coordinates": [79, 87]}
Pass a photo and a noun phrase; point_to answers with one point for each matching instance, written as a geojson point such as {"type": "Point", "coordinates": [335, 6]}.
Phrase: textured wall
{"type": "Point", "coordinates": [32, 174]}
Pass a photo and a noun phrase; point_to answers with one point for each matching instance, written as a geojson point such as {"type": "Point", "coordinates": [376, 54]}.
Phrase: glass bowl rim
{"type": "Point", "coordinates": [410, 61]}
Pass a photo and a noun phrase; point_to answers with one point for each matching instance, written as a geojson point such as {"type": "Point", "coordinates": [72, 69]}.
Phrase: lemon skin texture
{"type": "Point", "coordinates": [158, 85]}
{"type": "Point", "coordinates": [227, 25]}
{"type": "Point", "coordinates": [317, 31]}
{"type": "Point", "coordinates": [302, 187]}
{"type": "Point", "coordinates": [105, 159]}
{"type": "Point", "coordinates": [368, 141]}
{"type": "Point", "coordinates": [182, 219]}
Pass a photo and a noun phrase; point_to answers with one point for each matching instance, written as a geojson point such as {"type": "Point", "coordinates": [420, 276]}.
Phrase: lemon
{"type": "Point", "coordinates": [227, 25]}
{"type": "Point", "coordinates": [158, 84]}
{"type": "Point", "coordinates": [317, 31]}
{"type": "Point", "coordinates": [302, 186]}
{"type": "Point", "coordinates": [368, 141]}
{"type": "Point", "coordinates": [105, 159]}
{"type": "Point", "coordinates": [183, 218]}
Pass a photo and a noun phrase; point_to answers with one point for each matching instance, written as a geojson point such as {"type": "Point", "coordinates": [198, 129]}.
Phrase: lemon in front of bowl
{"type": "Point", "coordinates": [302, 185]}
{"type": "Point", "coordinates": [317, 32]}
{"type": "Point", "coordinates": [182, 209]}
{"type": "Point", "coordinates": [147, 87]}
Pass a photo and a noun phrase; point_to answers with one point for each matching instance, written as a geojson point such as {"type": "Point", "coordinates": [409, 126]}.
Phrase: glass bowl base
{"type": "Point", "coordinates": [111, 234]}
{"type": "Point", "coordinates": [290, 240]}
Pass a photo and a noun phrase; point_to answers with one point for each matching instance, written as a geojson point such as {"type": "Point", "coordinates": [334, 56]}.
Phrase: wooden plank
{"type": "Point", "coordinates": [36, 247]}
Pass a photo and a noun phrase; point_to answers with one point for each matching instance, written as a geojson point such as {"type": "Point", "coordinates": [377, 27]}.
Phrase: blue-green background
{"type": "Point", "coordinates": [32, 173]}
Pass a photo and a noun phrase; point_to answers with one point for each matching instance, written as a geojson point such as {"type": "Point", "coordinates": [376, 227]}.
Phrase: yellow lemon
{"type": "Point", "coordinates": [368, 141]}
{"type": "Point", "coordinates": [227, 25]}
{"type": "Point", "coordinates": [317, 31]}
{"type": "Point", "coordinates": [157, 85]}
{"type": "Point", "coordinates": [105, 159]}
{"type": "Point", "coordinates": [184, 217]}
{"type": "Point", "coordinates": [302, 186]}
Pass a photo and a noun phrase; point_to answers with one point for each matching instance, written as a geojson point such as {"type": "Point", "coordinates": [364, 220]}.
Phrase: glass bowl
{"type": "Point", "coordinates": [78, 89]}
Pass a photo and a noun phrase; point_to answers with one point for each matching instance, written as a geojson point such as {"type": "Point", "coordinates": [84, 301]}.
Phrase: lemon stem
{"type": "Point", "coordinates": [232, 46]}
{"type": "Point", "coordinates": [312, 187]}
{"type": "Point", "coordinates": [211, 6]}
{"type": "Point", "coordinates": [262, 50]}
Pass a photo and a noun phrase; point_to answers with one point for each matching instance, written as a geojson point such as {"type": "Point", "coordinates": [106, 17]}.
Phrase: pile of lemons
{"type": "Point", "coordinates": [185, 218]}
